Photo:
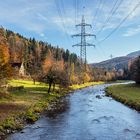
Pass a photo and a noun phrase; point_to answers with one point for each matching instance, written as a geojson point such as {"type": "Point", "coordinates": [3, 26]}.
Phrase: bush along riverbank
{"type": "Point", "coordinates": [23, 105]}
{"type": "Point", "coordinates": [128, 94]}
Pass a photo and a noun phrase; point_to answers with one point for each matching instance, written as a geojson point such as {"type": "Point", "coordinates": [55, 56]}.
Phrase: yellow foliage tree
{"type": "Point", "coordinates": [73, 77]}
{"type": "Point", "coordinates": [4, 57]}
{"type": "Point", "coordinates": [86, 77]}
{"type": "Point", "coordinates": [4, 51]}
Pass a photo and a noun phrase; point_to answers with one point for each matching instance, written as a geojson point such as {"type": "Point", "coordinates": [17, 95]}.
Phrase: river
{"type": "Point", "coordinates": [86, 117]}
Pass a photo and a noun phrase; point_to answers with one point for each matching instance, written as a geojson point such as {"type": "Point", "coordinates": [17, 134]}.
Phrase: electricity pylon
{"type": "Point", "coordinates": [83, 44]}
{"type": "Point", "coordinates": [111, 56]}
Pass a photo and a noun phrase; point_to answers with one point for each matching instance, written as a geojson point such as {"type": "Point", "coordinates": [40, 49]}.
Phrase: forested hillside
{"type": "Point", "coordinates": [24, 49]}
{"type": "Point", "coordinates": [36, 56]}
{"type": "Point", "coordinates": [41, 61]}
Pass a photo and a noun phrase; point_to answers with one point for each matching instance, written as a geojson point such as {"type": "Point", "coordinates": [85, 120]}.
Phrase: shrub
{"type": "Point", "coordinates": [31, 116]}
{"type": "Point", "coordinates": [9, 123]}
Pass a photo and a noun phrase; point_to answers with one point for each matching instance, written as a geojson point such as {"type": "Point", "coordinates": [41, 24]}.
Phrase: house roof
{"type": "Point", "coordinates": [16, 65]}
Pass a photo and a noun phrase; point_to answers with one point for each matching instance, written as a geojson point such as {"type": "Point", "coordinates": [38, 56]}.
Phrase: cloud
{"type": "Point", "coordinates": [25, 14]}
{"type": "Point", "coordinates": [125, 8]}
{"type": "Point", "coordinates": [132, 31]}
{"type": "Point", "coordinates": [39, 16]}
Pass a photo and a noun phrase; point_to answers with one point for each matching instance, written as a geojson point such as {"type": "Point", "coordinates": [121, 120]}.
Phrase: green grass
{"type": "Point", "coordinates": [25, 83]}
{"type": "Point", "coordinates": [26, 103]}
{"type": "Point", "coordinates": [128, 94]}
{"type": "Point", "coordinates": [122, 81]}
{"type": "Point", "coordinates": [119, 81]}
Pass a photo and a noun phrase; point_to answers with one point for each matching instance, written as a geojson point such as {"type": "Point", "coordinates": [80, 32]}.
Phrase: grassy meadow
{"type": "Point", "coordinates": [128, 94]}
{"type": "Point", "coordinates": [24, 105]}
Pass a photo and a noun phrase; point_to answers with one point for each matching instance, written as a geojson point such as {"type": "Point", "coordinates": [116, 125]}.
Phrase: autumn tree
{"type": "Point", "coordinates": [86, 77]}
{"type": "Point", "coordinates": [48, 62]}
{"type": "Point", "coordinates": [53, 73]}
{"type": "Point", "coordinates": [73, 78]}
{"type": "Point", "coordinates": [5, 69]}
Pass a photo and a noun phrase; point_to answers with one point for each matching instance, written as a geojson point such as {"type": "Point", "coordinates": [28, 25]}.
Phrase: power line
{"type": "Point", "coordinates": [61, 18]}
{"type": "Point", "coordinates": [75, 7]}
{"type": "Point", "coordinates": [118, 26]}
{"type": "Point", "coordinates": [76, 10]}
{"type": "Point", "coordinates": [64, 11]}
{"type": "Point", "coordinates": [62, 3]}
{"type": "Point", "coordinates": [107, 20]}
{"type": "Point", "coordinates": [94, 16]}
{"type": "Point", "coordinates": [101, 5]}
{"type": "Point", "coordinates": [112, 12]}
{"type": "Point", "coordinates": [100, 47]}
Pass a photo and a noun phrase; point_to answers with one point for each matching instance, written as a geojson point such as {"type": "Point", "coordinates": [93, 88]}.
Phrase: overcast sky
{"type": "Point", "coordinates": [54, 21]}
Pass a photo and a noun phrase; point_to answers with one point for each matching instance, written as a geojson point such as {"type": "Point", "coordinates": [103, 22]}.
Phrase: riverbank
{"type": "Point", "coordinates": [101, 119]}
{"type": "Point", "coordinates": [24, 104]}
{"type": "Point", "coordinates": [128, 94]}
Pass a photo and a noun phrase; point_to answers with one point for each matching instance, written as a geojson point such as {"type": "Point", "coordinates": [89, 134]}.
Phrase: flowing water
{"type": "Point", "coordinates": [86, 117]}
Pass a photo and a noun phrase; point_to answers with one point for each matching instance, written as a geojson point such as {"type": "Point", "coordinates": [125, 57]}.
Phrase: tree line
{"type": "Point", "coordinates": [44, 62]}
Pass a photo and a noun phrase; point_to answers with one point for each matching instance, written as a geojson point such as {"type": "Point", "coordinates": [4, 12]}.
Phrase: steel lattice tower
{"type": "Point", "coordinates": [83, 44]}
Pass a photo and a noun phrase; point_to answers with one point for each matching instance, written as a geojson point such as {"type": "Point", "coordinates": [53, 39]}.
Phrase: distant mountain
{"type": "Point", "coordinates": [134, 54]}
{"type": "Point", "coordinates": [118, 62]}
